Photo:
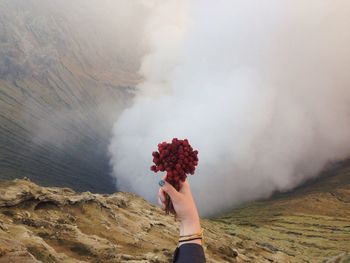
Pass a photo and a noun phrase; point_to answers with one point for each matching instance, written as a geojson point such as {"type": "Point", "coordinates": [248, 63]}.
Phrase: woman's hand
{"type": "Point", "coordinates": [185, 207]}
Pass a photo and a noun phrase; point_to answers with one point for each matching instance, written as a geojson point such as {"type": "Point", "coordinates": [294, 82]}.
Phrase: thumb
{"type": "Point", "coordinates": [169, 189]}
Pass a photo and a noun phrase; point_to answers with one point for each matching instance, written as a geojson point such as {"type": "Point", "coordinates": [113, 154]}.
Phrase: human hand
{"type": "Point", "coordinates": [184, 205]}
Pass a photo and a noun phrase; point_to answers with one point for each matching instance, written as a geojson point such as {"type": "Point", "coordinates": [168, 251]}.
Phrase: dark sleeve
{"type": "Point", "coordinates": [189, 253]}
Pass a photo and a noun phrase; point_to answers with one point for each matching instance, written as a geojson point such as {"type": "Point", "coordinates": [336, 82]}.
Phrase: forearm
{"type": "Point", "coordinates": [189, 228]}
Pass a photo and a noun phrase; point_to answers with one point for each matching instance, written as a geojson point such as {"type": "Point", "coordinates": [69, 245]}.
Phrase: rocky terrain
{"type": "Point", "coordinates": [39, 224]}
{"type": "Point", "coordinates": [65, 74]}
{"type": "Point", "coordinates": [51, 224]}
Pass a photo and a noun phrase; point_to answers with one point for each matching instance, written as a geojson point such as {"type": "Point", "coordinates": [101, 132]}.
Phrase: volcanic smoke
{"type": "Point", "coordinates": [261, 89]}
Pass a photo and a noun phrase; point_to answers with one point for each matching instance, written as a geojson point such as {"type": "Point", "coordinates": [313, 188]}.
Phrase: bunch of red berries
{"type": "Point", "coordinates": [176, 158]}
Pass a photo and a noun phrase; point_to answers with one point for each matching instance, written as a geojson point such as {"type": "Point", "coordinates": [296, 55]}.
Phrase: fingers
{"type": "Point", "coordinates": [161, 195]}
{"type": "Point", "coordinates": [161, 204]}
{"type": "Point", "coordinates": [170, 190]}
{"type": "Point", "coordinates": [161, 198]}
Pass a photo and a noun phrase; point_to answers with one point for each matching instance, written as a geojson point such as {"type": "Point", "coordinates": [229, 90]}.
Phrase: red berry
{"type": "Point", "coordinates": [176, 158]}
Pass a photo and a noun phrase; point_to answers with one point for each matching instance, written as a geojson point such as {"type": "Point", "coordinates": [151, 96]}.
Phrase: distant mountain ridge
{"type": "Point", "coordinates": [64, 78]}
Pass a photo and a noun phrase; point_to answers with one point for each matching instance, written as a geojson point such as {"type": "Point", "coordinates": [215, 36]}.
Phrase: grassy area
{"type": "Point", "coordinates": [311, 223]}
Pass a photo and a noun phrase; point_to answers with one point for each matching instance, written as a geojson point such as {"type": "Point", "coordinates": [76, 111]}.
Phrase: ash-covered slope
{"type": "Point", "coordinates": [40, 224]}
{"type": "Point", "coordinates": [65, 73]}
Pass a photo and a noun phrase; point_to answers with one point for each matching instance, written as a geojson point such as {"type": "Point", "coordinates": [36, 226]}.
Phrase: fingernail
{"type": "Point", "coordinates": [161, 182]}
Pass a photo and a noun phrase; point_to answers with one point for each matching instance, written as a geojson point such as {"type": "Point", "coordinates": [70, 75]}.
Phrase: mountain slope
{"type": "Point", "coordinates": [64, 78]}
{"type": "Point", "coordinates": [311, 223]}
{"type": "Point", "coordinates": [59, 225]}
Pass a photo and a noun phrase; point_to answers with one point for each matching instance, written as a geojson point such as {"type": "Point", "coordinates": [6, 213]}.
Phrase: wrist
{"type": "Point", "coordinates": [189, 227]}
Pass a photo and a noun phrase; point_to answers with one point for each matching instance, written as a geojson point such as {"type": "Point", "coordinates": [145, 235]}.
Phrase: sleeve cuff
{"type": "Point", "coordinates": [189, 253]}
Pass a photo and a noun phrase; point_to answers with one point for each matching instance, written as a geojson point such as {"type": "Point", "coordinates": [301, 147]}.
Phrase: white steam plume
{"type": "Point", "coordinates": [261, 89]}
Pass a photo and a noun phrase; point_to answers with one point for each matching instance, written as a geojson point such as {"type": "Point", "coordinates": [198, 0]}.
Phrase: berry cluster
{"type": "Point", "coordinates": [176, 158]}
